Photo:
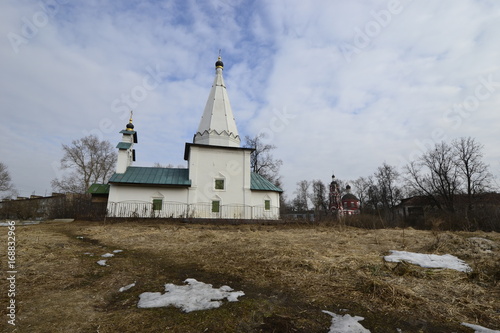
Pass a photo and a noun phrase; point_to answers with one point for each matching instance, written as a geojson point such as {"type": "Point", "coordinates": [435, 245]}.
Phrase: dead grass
{"type": "Point", "coordinates": [288, 273]}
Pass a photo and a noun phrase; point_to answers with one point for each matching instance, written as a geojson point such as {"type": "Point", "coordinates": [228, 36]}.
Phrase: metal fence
{"type": "Point", "coordinates": [182, 210]}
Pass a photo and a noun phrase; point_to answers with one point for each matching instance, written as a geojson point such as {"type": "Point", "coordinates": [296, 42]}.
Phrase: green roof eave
{"type": "Point", "coordinates": [123, 145]}
{"type": "Point", "coordinates": [134, 133]}
{"type": "Point", "coordinates": [259, 183]}
{"type": "Point", "coordinates": [98, 189]}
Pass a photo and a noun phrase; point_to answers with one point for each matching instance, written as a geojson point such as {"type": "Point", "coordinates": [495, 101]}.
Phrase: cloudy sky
{"type": "Point", "coordinates": [337, 86]}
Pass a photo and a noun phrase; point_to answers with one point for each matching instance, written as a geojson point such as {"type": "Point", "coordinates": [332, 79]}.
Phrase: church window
{"type": "Point", "coordinates": [157, 204]}
{"type": "Point", "coordinates": [215, 206]}
{"type": "Point", "coordinates": [267, 204]}
{"type": "Point", "coordinates": [219, 184]}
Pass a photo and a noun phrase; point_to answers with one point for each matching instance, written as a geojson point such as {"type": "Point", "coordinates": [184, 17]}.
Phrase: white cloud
{"type": "Point", "coordinates": [350, 116]}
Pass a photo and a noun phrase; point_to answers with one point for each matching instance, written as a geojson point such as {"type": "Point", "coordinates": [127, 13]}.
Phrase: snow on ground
{"type": "Point", "coordinates": [102, 262]}
{"type": "Point", "coordinates": [480, 329]}
{"type": "Point", "coordinates": [127, 287]}
{"type": "Point", "coordinates": [482, 244]}
{"type": "Point", "coordinates": [192, 297]}
{"type": "Point", "coordinates": [429, 260]}
{"type": "Point", "coordinates": [107, 255]}
{"type": "Point", "coordinates": [117, 251]}
{"type": "Point", "coordinates": [346, 324]}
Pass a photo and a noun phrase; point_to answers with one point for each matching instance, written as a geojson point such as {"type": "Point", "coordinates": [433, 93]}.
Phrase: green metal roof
{"type": "Point", "coordinates": [123, 145]}
{"type": "Point", "coordinates": [134, 133]}
{"type": "Point", "coordinates": [175, 176]}
{"type": "Point", "coordinates": [259, 183]}
{"type": "Point", "coordinates": [153, 176]}
{"type": "Point", "coordinates": [98, 189]}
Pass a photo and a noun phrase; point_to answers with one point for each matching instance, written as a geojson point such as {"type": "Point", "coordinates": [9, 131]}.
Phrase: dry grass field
{"type": "Point", "coordinates": [289, 274]}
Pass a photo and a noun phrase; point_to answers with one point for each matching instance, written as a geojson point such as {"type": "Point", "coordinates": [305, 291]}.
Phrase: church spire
{"type": "Point", "coordinates": [217, 126]}
{"type": "Point", "coordinates": [130, 126]}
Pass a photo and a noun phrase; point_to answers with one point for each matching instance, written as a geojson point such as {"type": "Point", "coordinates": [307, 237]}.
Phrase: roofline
{"type": "Point", "coordinates": [189, 145]}
{"type": "Point", "coordinates": [280, 191]}
{"type": "Point", "coordinates": [150, 184]}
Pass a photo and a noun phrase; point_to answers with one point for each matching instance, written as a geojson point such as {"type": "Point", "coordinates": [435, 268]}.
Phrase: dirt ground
{"type": "Point", "coordinates": [289, 274]}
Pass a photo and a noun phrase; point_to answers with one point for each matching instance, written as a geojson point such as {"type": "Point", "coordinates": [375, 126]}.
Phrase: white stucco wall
{"type": "Point", "coordinates": [206, 164]}
{"type": "Point", "coordinates": [124, 193]}
{"type": "Point", "coordinates": [258, 202]}
{"type": "Point", "coordinates": [129, 201]}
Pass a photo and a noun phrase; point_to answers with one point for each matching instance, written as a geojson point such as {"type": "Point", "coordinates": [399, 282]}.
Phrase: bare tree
{"type": "Point", "coordinates": [169, 165]}
{"type": "Point", "coordinates": [473, 171]}
{"type": "Point", "coordinates": [159, 165]}
{"type": "Point", "coordinates": [89, 161]}
{"type": "Point", "coordinates": [436, 176]}
{"type": "Point", "coordinates": [389, 193]}
{"type": "Point", "coordinates": [5, 180]}
{"type": "Point", "coordinates": [319, 196]}
{"type": "Point", "coordinates": [362, 186]}
{"type": "Point", "coordinates": [300, 202]}
{"type": "Point", "coordinates": [261, 160]}
{"type": "Point", "coordinates": [367, 191]}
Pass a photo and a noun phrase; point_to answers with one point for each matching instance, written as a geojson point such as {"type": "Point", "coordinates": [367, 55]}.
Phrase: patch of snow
{"type": "Point", "coordinates": [483, 244]}
{"type": "Point", "coordinates": [429, 260]}
{"type": "Point", "coordinates": [194, 296]}
{"type": "Point", "coordinates": [89, 254]}
{"type": "Point", "coordinates": [102, 262]}
{"type": "Point", "coordinates": [127, 287]}
{"type": "Point", "coordinates": [346, 324]}
{"type": "Point", "coordinates": [79, 237]}
{"type": "Point", "coordinates": [107, 255]}
{"type": "Point", "coordinates": [480, 329]}
{"type": "Point", "coordinates": [117, 251]}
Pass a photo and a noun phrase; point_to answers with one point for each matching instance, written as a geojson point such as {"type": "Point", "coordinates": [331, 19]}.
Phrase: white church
{"type": "Point", "coordinates": [218, 182]}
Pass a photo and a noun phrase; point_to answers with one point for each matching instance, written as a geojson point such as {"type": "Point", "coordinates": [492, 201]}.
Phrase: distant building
{"type": "Point", "coordinates": [420, 206]}
{"type": "Point", "coordinates": [218, 182]}
{"type": "Point", "coordinates": [335, 205]}
{"type": "Point", "coordinates": [341, 205]}
{"type": "Point", "coordinates": [350, 203]}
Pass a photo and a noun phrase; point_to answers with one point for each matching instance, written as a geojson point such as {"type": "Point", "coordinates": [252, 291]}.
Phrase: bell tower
{"type": "Point", "coordinates": [126, 153]}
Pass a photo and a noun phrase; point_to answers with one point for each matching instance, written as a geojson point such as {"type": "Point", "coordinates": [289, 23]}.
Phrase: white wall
{"type": "Point", "coordinates": [120, 193]}
{"type": "Point", "coordinates": [209, 163]}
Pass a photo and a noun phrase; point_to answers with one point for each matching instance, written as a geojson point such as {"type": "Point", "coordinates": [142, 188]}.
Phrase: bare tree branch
{"type": "Point", "coordinates": [262, 161]}
{"type": "Point", "coordinates": [90, 161]}
{"type": "Point", "coordinates": [5, 180]}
